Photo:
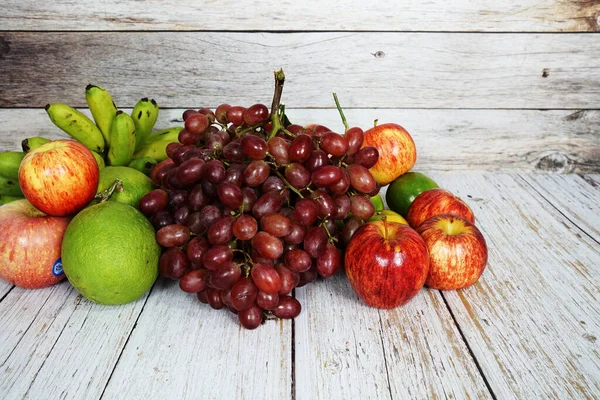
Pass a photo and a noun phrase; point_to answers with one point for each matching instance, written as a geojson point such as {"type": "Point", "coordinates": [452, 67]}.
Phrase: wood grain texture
{"type": "Point", "coordinates": [182, 348]}
{"type": "Point", "coordinates": [347, 350]}
{"type": "Point", "coordinates": [533, 319]}
{"type": "Point", "coordinates": [395, 15]}
{"type": "Point", "coordinates": [576, 199]}
{"type": "Point", "coordinates": [447, 140]}
{"type": "Point", "coordinates": [389, 70]}
{"type": "Point", "coordinates": [5, 287]}
{"type": "Point", "coordinates": [57, 345]}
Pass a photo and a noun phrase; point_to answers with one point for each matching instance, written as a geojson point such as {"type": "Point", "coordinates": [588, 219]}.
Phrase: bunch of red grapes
{"type": "Point", "coordinates": [248, 209]}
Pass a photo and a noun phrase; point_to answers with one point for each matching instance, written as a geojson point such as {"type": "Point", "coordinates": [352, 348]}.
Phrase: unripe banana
{"type": "Point", "coordinates": [102, 107]}
{"type": "Point", "coordinates": [122, 140]}
{"type": "Point", "coordinates": [171, 134]}
{"type": "Point", "coordinates": [156, 150]}
{"type": "Point", "coordinates": [9, 164]}
{"type": "Point", "coordinates": [10, 187]}
{"type": "Point", "coordinates": [143, 164]}
{"type": "Point", "coordinates": [76, 125]}
{"type": "Point", "coordinates": [5, 199]}
{"type": "Point", "coordinates": [99, 160]}
{"type": "Point", "coordinates": [144, 116]}
{"type": "Point", "coordinates": [33, 142]}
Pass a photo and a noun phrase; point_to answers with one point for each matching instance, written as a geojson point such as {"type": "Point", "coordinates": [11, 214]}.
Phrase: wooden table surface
{"type": "Point", "coordinates": [527, 329]}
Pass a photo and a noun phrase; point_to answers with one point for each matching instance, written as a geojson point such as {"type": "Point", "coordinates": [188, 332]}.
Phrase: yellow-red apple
{"type": "Point", "coordinates": [397, 151]}
{"type": "Point", "coordinates": [30, 246]}
{"type": "Point", "coordinates": [386, 263]}
{"type": "Point", "coordinates": [435, 202]}
{"type": "Point", "coordinates": [60, 177]}
{"type": "Point", "coordinates": [457, 252]}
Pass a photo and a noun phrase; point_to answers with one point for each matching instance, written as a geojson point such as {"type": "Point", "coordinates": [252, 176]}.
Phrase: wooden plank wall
{"type": "Point", "coordinates": [517, 85]}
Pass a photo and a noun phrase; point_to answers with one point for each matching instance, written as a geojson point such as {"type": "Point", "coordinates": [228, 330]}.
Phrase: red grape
{"type": "Point", "coordinates": [287, 308]}
{"type": "Point", "coordinates": [173, 235]}
{"type": "Point", "coordinates": [193, 281]}
{"type": "Point", "coordinates": [267, 245]}
{"type": "Point", "coordinates": [256, 114]}
{"type": "Point", "coordinates": [265, 278]}
{"type": "Point", "coordinates": [153, 201]}
{"type": "Point", "coordinates": [251, 317]}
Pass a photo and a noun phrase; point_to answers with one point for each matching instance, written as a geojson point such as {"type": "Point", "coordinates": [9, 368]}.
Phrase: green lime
{"type": "Point", "coordinates": [402, 191]}
{"type": "Point", "coordinates": [377, 202]}
{"type": "Point", "coordinates": [135, 184]}
{"type": "Point", "coordinates": [109, 253]}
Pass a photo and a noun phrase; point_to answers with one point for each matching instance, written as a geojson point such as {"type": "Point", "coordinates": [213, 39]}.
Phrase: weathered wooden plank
{"type": "Point", "coordinates": [5, 287]}
{"type": "Point", "coordinates": [284, 15]}
{"type": "Point", "coordinates": [533, 318]}
{"type": "Point", "coordinates": [447, 140]}
{"type": "Point", "coordinates": [390, 70]}
{"type": "Point", "coordinates": [184, 349]}
{"type": "Point", "coordinates": [54, 344]}
{"type": "Point", "coordinates": [347, 350]}
{"type": "Point", "coordinates": [577, 199]}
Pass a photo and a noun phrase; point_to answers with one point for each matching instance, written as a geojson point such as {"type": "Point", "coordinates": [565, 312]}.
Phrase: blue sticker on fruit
{"type": "Point", "coordinates": [57, 268]}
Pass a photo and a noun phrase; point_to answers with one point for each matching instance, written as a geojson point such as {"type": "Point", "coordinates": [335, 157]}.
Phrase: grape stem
{"type": "Point", "coordinates": [339, 108]}
{"type": "Point", "coordinates": [332, 239]}
{"type": "Point", "coordinates": [293, 189]}
{"type": "Point", "coordinates": [276, 106]}
{"type": "Point", "coordinates": [106, 194]}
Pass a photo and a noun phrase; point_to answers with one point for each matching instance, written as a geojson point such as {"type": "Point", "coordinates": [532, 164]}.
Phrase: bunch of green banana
{"type": "Point", "coordinates": [9, 176]}
{"type": "Point", "coordinates": [155, 145]}
{"type": "Point", "coordinates": [110, 134]}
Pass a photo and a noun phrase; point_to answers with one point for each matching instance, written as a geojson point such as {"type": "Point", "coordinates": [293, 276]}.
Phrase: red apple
{"type": "Point", "coordinates": [397, 151]}
{"type": "Point", "coordinates": [60, 177]}
{"type": "Point", "coordinates": [386, 263]}
{"type": "Point", "coordinates": [457, 252]}
{"type": "Point", "coordinates": [30, 245]}
{"type": "Point", "coordinates": [435, 202]}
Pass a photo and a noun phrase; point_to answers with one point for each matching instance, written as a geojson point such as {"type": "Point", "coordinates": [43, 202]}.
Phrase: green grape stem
{"type": "Point", "coordinates": [339, 108]}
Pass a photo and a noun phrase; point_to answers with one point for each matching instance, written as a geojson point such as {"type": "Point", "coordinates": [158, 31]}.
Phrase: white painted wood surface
{"type": "Point", "coordinates": [447, 140]}
{"type": "Point", "coordinates": [527, 329]}
{"type": "Point", "coordinates": [533, 319]}
{"type": "Point", "coordinates": [183, 349]}
{"type": "Point", "coordinates": [366, 69]}
{"type": "Point", "coordinates": [289, 15]}
{"type": "Point", "coordinates": [574, 198]}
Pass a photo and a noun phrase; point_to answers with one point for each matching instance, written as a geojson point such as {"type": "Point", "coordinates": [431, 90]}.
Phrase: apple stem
{"type": "Point", "coordinates": [339, 108]}
{"type": "Point", "coordinates": [375, 123]}
{"type": "Point", "coordinates": [106, 194]}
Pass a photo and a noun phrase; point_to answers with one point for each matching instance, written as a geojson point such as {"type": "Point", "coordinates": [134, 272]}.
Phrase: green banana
{"type": "Point", "coordinates": [156, 150]}
{"type": "Point", "coordinates": [102, 107]}
{"type": "Point", "coordinates": [143, 164]}
{"type": "Point", "coordinates": [9, 164]}
{"type": "Point", "coordinates": [76, 125]}
{"type": "Point", "coordinates": [99, 160]}
{"type": "Point", "coordinates": [33, 142]}
{"type": "Point", "coordinates": [144, 116]}
{"type": "Point", "coordinates": [10, 187]}
{"type": "Point", "coordinates": [171, 134]}
{"type": "Point", "coordinates": [122, 140]}
{"type": "Point", "coordinates": [5, 199]}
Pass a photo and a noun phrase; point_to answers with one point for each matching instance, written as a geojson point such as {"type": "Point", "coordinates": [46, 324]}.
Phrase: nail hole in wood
{"type": "Point", "coordinates": [545, 73]}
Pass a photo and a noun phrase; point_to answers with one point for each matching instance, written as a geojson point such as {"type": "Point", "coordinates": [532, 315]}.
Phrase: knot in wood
{"type": "Point", "coordinates": [379, 54]}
